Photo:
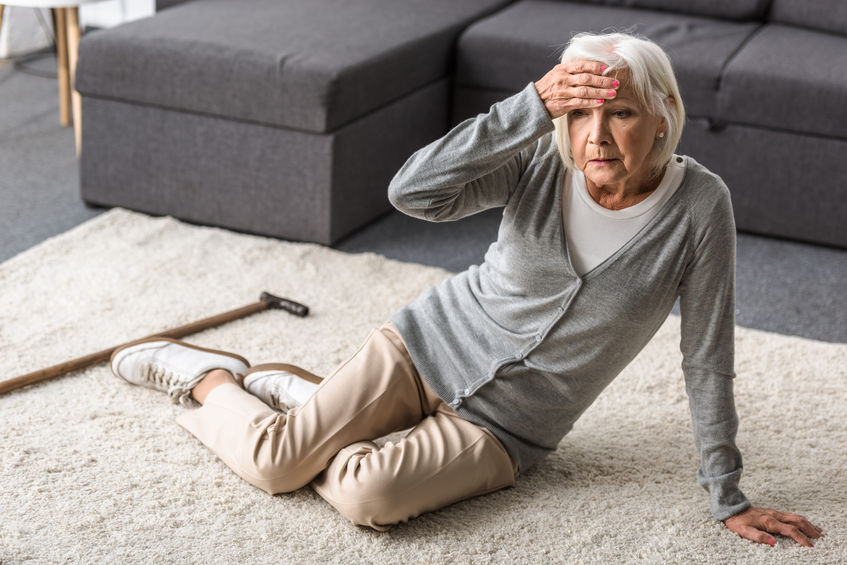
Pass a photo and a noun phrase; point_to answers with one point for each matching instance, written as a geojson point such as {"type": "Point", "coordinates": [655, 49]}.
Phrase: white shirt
{"type": "Point", "coordinates": [595, 233]}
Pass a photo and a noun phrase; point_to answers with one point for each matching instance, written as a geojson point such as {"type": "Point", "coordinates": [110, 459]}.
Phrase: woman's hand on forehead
{"type": "Point", "coordinates": [576, 84]}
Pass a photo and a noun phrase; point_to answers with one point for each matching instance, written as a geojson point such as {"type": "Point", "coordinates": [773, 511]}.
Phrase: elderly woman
{"type": "Point", "coordinates": [603, 229]}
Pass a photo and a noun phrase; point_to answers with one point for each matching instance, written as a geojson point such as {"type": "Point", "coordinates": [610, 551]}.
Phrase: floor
{"type": "Point", "coordinates": [786, 287]}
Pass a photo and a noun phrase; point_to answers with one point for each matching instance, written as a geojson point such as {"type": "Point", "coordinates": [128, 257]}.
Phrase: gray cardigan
{"type": "Point", "coordinates": [521, 344]}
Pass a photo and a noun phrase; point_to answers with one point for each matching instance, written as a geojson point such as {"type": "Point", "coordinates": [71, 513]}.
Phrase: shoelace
{"type": "Point", "coordinates": [168, 380]}
{"type": "Point", "coordinates": [274, 400]}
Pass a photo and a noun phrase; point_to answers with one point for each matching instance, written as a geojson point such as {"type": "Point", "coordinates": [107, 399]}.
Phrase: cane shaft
{"type": "Point", "coordinates": [212, 321]}
{"type": "Point", "coordinates": [106, 354]}
{"type": "Point", "coordinates": [56, 370]}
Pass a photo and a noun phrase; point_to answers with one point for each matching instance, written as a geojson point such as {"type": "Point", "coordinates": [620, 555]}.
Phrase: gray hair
{"type": "Point", "coordinates": [652, 79]}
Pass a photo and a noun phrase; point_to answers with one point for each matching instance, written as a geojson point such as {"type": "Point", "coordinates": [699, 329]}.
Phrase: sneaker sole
{"type": "Point", "coordinates": [288, 368]}
{"type": "Point", "coordinates": [178, 342]}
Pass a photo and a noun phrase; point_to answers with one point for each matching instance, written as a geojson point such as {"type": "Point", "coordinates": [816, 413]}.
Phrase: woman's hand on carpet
{"type": "Point", "coordinates": [756, 524]}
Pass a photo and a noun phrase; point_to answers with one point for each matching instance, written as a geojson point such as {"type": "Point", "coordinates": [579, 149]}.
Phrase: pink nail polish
{"type": "Point", "coordinates": [611, 93]}
{"type": "Point", "coordinates": [603, 68]}
{"type": "Point", "coordinates": [771, 542]}
{"type": "Point", "coordinates": [615, 83]}
{"type": "Point", "coordinates": [600, 100]}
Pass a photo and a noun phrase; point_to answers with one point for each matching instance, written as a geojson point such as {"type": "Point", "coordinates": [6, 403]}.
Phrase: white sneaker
{"type": "Point", "coordinates": [280, 385]}
{"type": "Point", "coordinates": [172, 366]}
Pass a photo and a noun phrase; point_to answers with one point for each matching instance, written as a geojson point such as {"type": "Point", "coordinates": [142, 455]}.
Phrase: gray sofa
{"type": "Point", "coordinates": [280, 117]}
{"type": "Point", "coordinates": [289, 117]}
{"type": "Point", "coordinates": [764, 82]}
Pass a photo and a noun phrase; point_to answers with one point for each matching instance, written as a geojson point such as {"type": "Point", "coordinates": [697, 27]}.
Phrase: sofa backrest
{"type": "Point", "coordinates": [739, 10]}
{"type": "Point", "coordinates": [826, 15]}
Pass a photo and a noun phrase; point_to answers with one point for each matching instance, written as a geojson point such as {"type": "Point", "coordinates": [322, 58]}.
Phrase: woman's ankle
{"type": "Point", "coordinates": [212, 380]}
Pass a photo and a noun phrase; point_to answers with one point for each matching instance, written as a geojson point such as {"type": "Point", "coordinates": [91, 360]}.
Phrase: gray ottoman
{"type": "Point", "coordinates": [280, 117]}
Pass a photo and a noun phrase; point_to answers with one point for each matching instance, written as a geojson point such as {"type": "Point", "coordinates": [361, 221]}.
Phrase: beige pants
{"type": "Point", "coordinates": [327, 441]}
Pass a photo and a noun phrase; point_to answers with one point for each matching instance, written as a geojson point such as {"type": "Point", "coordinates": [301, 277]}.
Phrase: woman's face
{"type": "Point", "coordinates": [611, 142]}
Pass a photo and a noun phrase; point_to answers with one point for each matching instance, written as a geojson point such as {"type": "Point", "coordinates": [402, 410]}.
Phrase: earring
{"type": "Point", "coordinates": [661, 134]}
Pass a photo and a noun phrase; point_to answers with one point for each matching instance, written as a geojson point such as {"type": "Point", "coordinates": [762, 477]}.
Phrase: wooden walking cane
{"type": "Point", "coordinates": [266, 301]}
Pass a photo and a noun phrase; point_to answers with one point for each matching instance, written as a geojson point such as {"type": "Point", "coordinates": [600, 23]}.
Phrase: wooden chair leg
{"type": "Point", "coordinates": [73, 34]}
{"type": "Point", "coordinates": [62, 67]}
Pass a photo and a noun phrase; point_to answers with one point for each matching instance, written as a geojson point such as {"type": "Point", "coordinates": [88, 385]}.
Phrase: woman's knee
{"type": "Point", "coordinates": [370, 504]}
{"type": "Point", "coordinates": [262, 463]}
{"type": "Point", "coordinates": [366, 494]}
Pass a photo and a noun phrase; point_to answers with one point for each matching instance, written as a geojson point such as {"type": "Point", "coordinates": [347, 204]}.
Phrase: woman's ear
{"type": "Point", "coordinates": [670, 106]}
{"type": "Point", "coordinates": [662, 129]}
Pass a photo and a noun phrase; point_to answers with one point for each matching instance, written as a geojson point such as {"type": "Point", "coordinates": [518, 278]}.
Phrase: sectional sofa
{"type": "Point", "coordinates": [289, 117]}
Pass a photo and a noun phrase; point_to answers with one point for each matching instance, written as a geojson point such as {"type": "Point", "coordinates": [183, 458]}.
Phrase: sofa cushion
{"type": "Point", "coordinates": [519, 44]}
{"type": "Point", "coordinates": [723, 9]}
{"type": "Point", "coordinates": [790, 79]}
{"type": "Point", "coordinates": [826, 15]}
{"type": "Point", "coordinates": [305, 64]}
{"type": "Point", "coordinates": [782, 184]}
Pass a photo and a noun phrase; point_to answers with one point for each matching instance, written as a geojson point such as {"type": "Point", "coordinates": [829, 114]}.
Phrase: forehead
{"type": "Point", "coordinates": [626, 90]}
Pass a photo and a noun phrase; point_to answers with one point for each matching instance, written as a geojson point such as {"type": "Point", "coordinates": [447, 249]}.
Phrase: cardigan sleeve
{"type": "Point", "coordinates": [707, 306]}
{"type": "Point", "coordinates": [476, 165]}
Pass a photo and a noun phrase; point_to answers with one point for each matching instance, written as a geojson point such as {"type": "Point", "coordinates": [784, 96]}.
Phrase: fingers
{"type": "Point", "coordinates": [757, 524]}
{"type": "Point", "coordinates": [577, 84]}
{"type": "Point", "coordinates": [756, 535]}
{"type": "Point", "coordinates": [560, 107]}
{"type": "Point", "coordinates": [592, 67]}
{"type": "Point", "coordinates": [583, 98]}
{"type": "Point", "coordinates": [582, 92]}
{"type": "Point", "coordinates": [798, 523]}
{"type": "Point", "coordinates": [585, 73]}
{"type": "Point", "coordinates": [775, 525]}
{"type": "Point", "coordinates": [583, 84]}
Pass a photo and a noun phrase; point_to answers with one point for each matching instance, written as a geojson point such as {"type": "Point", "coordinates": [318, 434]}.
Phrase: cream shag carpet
{"type": "Point", "coordinates": [96, 471]}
